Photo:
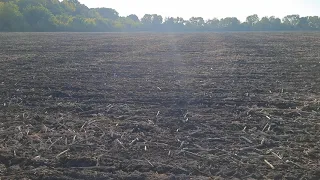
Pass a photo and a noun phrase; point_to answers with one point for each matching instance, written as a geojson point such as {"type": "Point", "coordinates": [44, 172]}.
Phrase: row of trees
{"type": "Point", "coordinates": [71, 15]}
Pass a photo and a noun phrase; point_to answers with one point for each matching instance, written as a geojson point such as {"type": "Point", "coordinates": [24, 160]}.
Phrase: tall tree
{"type": "Point", "coordinates": [133, 17]}
{"type": "Point", "coordinates": [303, 23]}
{"type": "Point", "coordinates": [108, 13]}
{"type": "Point", "coordinates": [291, 21]}
{"type": "Point", "coordinates": [213, 24]}
{"type": "Point", "coordinates": [314, 22]}
{"type": "Point", "coordinates": [154, 19]}
{"type": "Point", "coordinates": [11, 18]}
{"type": "Point", "coordinates": [54, 7]}
{"type": "Point", "coordinates": [157, 19]}
{"type": "Point", "coordinates": [25, 3]}
{"type": "Point", "coordinates": [174, 24]}
{"type": "Point", "coordinates": [39, 18]}
{"type": "Point", "coordinates": [263, 24]}
{"type": "Point", "coordinates": [275, 23]}
{"type": "Point", "coordinates": [229, 23]}
{"type": "Point", "coordinates": [146, 19]}
{"type": "Point", "coordinates": [197, 21]}
{"type": "Point", "coordinates": [252, 20]}
{"type": "Point", "coordinates": [71, 15]}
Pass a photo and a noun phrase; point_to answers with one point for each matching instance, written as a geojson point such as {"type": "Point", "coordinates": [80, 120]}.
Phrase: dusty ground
{"type": "Point", "coordinates": [160, 106]}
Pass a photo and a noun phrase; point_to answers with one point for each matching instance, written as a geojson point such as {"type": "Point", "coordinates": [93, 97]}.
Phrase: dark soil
{"type": "Point", "coordinates": [160, 106]}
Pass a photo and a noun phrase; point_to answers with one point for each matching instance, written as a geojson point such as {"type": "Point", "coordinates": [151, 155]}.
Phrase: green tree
{"type": "Point", "coordinates": [54, 7]}
{"type": "Point", "coordinates": [174, 24]}
{"type": "Point", "coordinates": [134, 18]}
{"type": "Point", "coordinates": [108, 13]}
{"type": "Point", "coordinates": [252, 20]}
{"type": "Point", "coordinates": [195, 24]}
{"type": "Point", "coordinates": [71, 15]}
{"type": "Point", "coordinates": [146, 19]}
{"type": "Point", "coordinates": [104, 25]}
{"type": "Point", "coordinates": [229, 23]}
{"type": "Point", "coordinates": [263, 24]}
{"type": "Point", "coordinates": [314, 22]}
{"type": "Point", "coordinates": [291, 21]}
{"type": "Point", "coordinates": [83, 24]}
{"type": "Point", "coordinates": [10, 17]}
{"type": "Point", "coordinates": [197, 21]}
{"type": "Point", "coordinates": [74, 8]}
{"type": "Point", "coordinates": [275, 23]}
{"type": "Point", "coordinates": [157, 19]}
{"type": "Point", "coordinates": [63, 22]}
{"type": "Point", "coordinates": [93, 13]}
{"type": "Point", "coordinates": [213, 24]}
{"type": "Point", "coordinates": [39, 18]}
{"type": "Point", "coordinates": [126, 24]}
{"type": "Point", "coordinates": [153, 19]}
{"type": "Point", "coordinates": [303, 24]}
{"type": "Point", "coordinates": [26, 3]}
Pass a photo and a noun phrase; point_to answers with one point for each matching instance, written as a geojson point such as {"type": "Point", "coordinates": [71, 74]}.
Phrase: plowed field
{"type": "Point", "coordinates": [160, 106]}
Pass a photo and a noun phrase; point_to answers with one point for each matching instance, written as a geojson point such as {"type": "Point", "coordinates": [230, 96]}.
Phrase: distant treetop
{"type": "Point", "coordinates": [71, 15]}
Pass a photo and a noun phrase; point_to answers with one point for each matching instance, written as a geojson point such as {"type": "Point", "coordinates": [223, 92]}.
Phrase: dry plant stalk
{"type": "Point", "coordinates": [133, 141]}
{"type": "Point", "coordinates": [119, 142]}
{"type": "Point", "coordinates": [149, 162]}
{"type": "Point", "coordinates": [269, 164]}
{"type": "Point", "coordinates": [83, 125]}
{"type": "Point", "coordinates": [74, 139]}
{"type": "Point", "coordinates": [63, 152]}
{"type": "Point", "coordinates": [264, 128]}
{"type": "Point", "coordinates": [276, 155]}
{"type": "Point", "coordinates": [246, 139]}
{"type": "Point", "coordinates": [54, 142]}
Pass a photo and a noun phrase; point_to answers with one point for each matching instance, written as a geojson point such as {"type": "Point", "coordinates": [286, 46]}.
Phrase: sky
{"type": "Point", "coordinates": [209, 9]}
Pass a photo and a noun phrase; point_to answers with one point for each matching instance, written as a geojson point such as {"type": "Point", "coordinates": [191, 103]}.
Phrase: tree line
{"type": "Point", "coordinates": [71, 15]}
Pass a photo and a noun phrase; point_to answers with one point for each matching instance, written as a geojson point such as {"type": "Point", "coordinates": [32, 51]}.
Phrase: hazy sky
{"type": "Point", "coordinates": [210, 8]}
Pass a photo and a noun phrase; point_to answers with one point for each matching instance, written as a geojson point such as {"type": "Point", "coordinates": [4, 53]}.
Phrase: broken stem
{"type": "Point", "coordinates": [63, 152]}
{"type": "Point", "coordinates": [54, 142]}
{"type": "Point", "coordinates": [246, 139]}
{"type": "Point", "coordinates": [149, 162]}
{"type": "Point", "coordinates": [265, 127]}
{"type": "Point", "coordinates": [269, 164]}
{"type": "Point", "coordinates": [276, 155]}
{"type": "Point", "coordinates": [119, 142]}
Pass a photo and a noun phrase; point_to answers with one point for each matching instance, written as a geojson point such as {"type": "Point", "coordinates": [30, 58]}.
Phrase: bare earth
{"type": "Point", "coordinates": [160, 106]}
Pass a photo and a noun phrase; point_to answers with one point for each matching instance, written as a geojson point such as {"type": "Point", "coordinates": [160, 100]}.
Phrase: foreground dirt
{"type": "Point", "coordinates": [160, 106]}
